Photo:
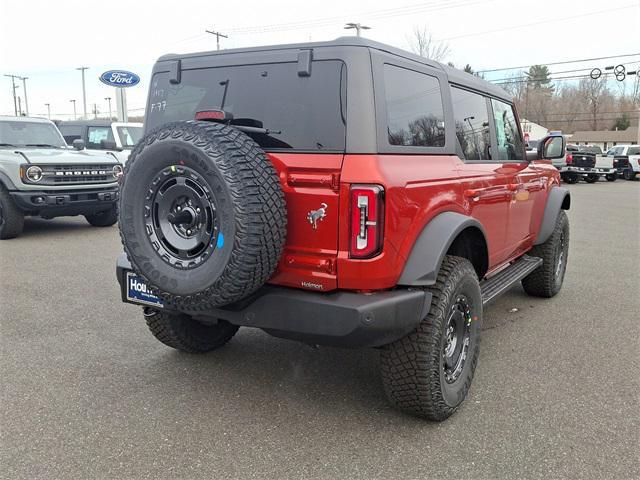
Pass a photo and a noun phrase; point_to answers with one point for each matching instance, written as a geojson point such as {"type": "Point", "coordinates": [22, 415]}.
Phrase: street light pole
{"type": "Point", "coordinates": [75, 117]}
{"type": "Point", "coordinates": [108, 99]}
{"type": "Point", "coordinates": [48, 110]}
{"type": "Point", "coordinates": [24, 86]}
{"type": "Point", "coordinates": [84, 92]}
{"type": "Point", "coordinates": [357, 26]}
{"type": "Point", "coordinates": [15, 100]}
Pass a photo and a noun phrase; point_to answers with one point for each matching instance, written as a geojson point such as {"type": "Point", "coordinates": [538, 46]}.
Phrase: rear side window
{"type": "Point", "coordinates": [415, 115]}
{"type": "Point", "coordinates": [471, 119]}
{"type": "Point", "coordinates": [303, 113]}
{"type": "Point", "coordinates": [633, 151]}
{"type": "Point", "coordinates": [510, 145]}
{"type": "Point", "coordinates": [70, 133]}
{"type": "Point", "coordinates": [97, 134]}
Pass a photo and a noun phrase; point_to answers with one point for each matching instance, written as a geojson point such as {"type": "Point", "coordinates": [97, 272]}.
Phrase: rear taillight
{"type": "Point", "coordinates": [639, 161]}
{"type": "Point", "coordinates": [569, 159]}
{"type": "Point", "coordinates": [367, 220]}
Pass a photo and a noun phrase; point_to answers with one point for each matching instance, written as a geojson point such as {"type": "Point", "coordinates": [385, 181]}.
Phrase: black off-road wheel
{"type": "Point", "coordinates": [428, 373]}
{"type": "Point", "coordinates": [106, 218]}
{"type": "Point", "coordinates": [570, 178]}
{"type": "Point", "coordinates": [546, 280]}
{"type": "Point", "coordinates": [591, 178]}
{"type": "Point", "coordinates": [612, 177]}
{"type": "Point", "coordinates": [202, 214]}
{"type": "Point", "coordinates": [11, 217]}
{"type": "Point", "coordinates": [629, 174]}
{"type": "Point", "coordinates": [186, 334]}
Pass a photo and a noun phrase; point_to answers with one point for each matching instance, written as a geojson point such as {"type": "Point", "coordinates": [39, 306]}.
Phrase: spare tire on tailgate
{"type": "Point", "coordinates": [202, 214]}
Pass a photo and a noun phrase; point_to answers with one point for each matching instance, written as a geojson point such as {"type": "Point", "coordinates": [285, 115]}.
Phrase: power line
{"type": "Point", "coordinates": [218, 35]}
{"type": "Point", "coordinates": [560, 63]}
{"type": "Point", "coordinates": [514, 27]}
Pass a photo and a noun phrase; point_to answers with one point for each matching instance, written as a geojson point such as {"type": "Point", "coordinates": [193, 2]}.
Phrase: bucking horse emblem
{"type": "Point", "coordinates": [317, 215]}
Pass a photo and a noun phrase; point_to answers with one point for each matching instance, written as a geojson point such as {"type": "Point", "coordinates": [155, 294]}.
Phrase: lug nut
{"type": "Point", "coordinates": [188, 232]}
{"type": "Point", "coordinates": [178, 208]}
{"type": "Point", "coordinates": [198, 209]}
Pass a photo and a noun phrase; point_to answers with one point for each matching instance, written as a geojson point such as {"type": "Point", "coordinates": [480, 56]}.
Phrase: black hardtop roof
{"type": "Point", "coordinates": [95, 122]}
{"type": "Point", "coordinates": [456, 76]}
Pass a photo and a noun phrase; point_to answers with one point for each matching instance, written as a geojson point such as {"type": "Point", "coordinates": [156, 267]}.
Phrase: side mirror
{"type": "Point", "coordinates": [551, 147]}
{"type": "Point", "coordinates": [78, 144]}
{"type": "Point", "coordinates": [108, 145]}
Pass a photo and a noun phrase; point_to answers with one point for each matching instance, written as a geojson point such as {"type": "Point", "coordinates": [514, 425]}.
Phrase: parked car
{"type": "Point", "coordinates": [116, 137]}
{"type": "Point", "coordinates": [383, 207]}
{"type": "Point", "coordinates": [624, 161]}
{"type": "Point", "coordinates": [576, 165]}
{"type": "Point", "coordinates": [41, 176]}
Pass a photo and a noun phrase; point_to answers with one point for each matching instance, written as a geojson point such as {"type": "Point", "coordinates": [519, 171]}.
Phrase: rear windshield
{"type": "Point", "coordinates": [307, 113]}
{"type": "Point", "coordinates": [586, 149]}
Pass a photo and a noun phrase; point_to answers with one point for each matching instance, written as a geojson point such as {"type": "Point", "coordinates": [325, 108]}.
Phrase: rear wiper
{"type": "Point", "coordinates": [47, 145]}
{"type": "Point", "coordinates": [7, 145]}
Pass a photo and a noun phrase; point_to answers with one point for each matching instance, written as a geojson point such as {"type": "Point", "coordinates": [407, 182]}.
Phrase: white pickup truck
{"type": "Point", "coordinates": [625, 159]}
{"type": "Point", "coordinates": [586, 162]}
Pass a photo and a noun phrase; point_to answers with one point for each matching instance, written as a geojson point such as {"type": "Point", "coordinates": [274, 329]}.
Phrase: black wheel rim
{"type": "Point", "coordinates": [457, 334]}
{"type": "Point", "coordinates": [180, 217]}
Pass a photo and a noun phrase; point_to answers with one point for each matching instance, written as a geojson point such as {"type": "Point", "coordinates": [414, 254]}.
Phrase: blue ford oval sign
{"type": "Point", "coordinates": [119, 78]}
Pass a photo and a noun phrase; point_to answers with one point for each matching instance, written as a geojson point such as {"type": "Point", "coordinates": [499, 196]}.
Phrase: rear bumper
{"type": "Point", "coordinates": [51, 203]}
{"type": "Point", "coordinates": [346, 319]}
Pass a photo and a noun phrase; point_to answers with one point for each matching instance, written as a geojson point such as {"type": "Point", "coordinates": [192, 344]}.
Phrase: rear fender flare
{"type": "Point", "coordinates": [432, 245]}
{"type": "Point", "coordinates": [559, 199]}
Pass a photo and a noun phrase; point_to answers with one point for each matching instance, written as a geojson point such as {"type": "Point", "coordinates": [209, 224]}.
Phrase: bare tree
{"type": "Point", "coordinates": [422, 43]}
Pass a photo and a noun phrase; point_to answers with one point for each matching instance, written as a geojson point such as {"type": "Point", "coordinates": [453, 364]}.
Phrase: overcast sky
{"type": "Point", "coordinates": [46, 40]}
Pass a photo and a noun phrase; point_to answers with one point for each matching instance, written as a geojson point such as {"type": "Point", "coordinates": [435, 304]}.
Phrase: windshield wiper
{"type": "Point", "coordinates": [7, 145]}
{"type": "Point", "coordinates": [47, 145]}
{"type": "Point", "coordinates": [266, 131]}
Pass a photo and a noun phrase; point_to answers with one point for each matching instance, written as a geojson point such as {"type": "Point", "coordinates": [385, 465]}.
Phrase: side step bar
{"type": "Point", "coordinates": [505, 279]}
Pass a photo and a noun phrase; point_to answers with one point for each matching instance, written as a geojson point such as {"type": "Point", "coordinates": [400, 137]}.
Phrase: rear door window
{"type": "Point", "coordinates": [415, 113]}
{"type": "Point", "coordinates": [510, 144]}
{"type": "Point", "coordinates": [302, 113]}
{"type": "Point", "coordinates": [97, 134]}
{"type": "Point", "coordinates": [471, 119]}
{"type": "Point", "coordinates": [71, 133]}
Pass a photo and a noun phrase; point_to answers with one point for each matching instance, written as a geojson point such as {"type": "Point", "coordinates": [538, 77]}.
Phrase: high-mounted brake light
{"type": "Point", "coordinates": [217, 115]}
{"type": "Point", "coordinates": [367, 221]}
{"type": "Point", "coordinates": [569, 159]}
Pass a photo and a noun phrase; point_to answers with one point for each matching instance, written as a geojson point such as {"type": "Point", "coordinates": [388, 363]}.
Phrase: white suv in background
{"type": "Point", "coordinates": [626, 160]}
{"type": "Point", "coordinates": [117, 138]}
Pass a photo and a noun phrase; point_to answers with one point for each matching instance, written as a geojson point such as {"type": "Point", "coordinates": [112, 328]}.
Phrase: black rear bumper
{"type": "Point", "coordinates": [52, 203]}
{"type": "Point", "coordinates": [341, 318]}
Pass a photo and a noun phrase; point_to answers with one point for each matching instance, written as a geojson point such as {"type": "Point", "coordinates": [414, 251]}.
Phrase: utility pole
{"type": "Point", "coordinates": [48, 110]}
{"type": "Point", "coordinates": [95, 111]}
{"type": "Point", "coordinates": [357, 26]}
{"type": "Point", "coordinates": [84, 92]}
{"type": "Point", "coordinates": [108, 99]}
{"type": "Point", "coordinates": [15, 101]}
{"type": "Point", "coordinates": [24, 86]}
{"type": "Point", "coordinates": [75, 117]}
{"type": "Point", "coordinates": [218, 35]}
{"type": "Point", "coordinates": [19, 106]}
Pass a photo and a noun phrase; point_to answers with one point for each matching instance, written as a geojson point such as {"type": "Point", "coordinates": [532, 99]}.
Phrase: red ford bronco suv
{"type": "Point", "coordinates": [340, 193]}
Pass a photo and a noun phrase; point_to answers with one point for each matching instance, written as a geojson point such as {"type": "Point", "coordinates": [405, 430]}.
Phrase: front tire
{"type": "Point", "coordinates": [629, 174]}
{"type": "Point", "coordinates": [186, 334]}
{"type": "Point", "coordinates": [105, 218]}
{"type": "Point", "coordinates": [11, 217]}
{"type": "Point", "coordinates": [546, 280]}
{"type": "Point", "coordinates": [428, 373]}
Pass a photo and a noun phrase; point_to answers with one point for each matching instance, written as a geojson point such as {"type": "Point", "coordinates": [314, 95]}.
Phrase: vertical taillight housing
{"type": "Point", "coordinates": [569, 159]}
{"type": "Point", "coordinates": [367, 221]}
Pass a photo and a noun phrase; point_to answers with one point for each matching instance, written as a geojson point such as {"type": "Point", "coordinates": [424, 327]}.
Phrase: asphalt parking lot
{"type": "Point", "coordinates": [87, 392]}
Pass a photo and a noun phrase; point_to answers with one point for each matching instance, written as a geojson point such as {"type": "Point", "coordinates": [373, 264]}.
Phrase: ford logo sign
{"type": "Point", "coordinates": [119, 78]}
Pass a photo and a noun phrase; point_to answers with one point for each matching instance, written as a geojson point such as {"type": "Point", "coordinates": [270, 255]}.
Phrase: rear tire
{"type": "Point", "coordinates": [186, 334]}
{"type": "Point", "coordinates": [428, 373]}
{"type": "Point", "coordinates": [629, 174]}
{"type": "Point", "coordinates": [570, 178]}
{"type": "Point", "coordinates": [103, 219]}
{"type": "Point", "coordinates": [11, 217]}
{"type": "Point", "coordinates": [612, 177]}
{"type": "Point", "coordinates": [546, 280]}
{"type": "Point", "coordinates": [591, 178]}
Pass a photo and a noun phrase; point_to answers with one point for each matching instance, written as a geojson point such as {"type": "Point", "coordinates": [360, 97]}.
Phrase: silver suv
{"type": "Point", "coordinates": [41, 176]}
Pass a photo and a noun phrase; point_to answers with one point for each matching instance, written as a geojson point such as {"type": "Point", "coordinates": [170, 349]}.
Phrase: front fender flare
{"type": "Point", "coordinates": [432, 245]}
{"type": "Point", "coordinates": [559, 198]}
